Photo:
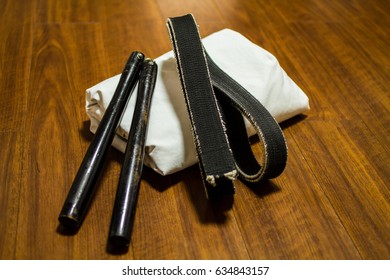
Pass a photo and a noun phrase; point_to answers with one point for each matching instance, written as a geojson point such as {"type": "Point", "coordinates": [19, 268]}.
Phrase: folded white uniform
{"type": "Point", "coordinates": [169, 144]}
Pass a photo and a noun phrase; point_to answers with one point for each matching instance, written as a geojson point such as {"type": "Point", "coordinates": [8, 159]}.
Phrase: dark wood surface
{"type": "Point", "coordinates": [332, 201]}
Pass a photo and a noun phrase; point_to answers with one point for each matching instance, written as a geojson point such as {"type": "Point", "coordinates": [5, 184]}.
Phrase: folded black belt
{"type": "Point", "coordinates": [216, 105]}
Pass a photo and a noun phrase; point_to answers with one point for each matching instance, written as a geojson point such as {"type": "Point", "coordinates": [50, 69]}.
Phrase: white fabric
{"type": "Point", "coordinates": [169, 144]}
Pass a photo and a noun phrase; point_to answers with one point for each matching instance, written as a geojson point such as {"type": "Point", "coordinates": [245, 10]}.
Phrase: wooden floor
{"type": "Point", "coordinates": [332, 201]}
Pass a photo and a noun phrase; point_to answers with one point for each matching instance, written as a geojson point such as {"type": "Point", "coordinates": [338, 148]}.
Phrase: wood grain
{"type": "Point", "coordinates": [365, 221]}
{"type": "Point", "coordinates": [66, 11]}
{"type": "Point", "coordinates": [10, 176]}
{"type": "Point", "coordinates": [15, 34]}
{"type": "Point", "coordinates": [332, 201]}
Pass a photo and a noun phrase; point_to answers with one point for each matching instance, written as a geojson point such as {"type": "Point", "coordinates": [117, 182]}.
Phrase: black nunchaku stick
{"type": "Point", "coordinates": [130, 177]}
{"type": "Point", "coordinates": [83, 187]}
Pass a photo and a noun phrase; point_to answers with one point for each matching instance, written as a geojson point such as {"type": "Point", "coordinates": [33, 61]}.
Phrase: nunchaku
{"type": "Point", "coordinates": [137, 69]}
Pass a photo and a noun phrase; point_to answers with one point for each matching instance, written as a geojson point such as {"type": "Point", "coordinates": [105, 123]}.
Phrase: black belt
{"type": "Point", "coordinates": [216, 105]}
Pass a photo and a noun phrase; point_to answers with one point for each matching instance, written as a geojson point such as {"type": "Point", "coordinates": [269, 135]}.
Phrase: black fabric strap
{"type": "Point", "coordinates": [216, 104]}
